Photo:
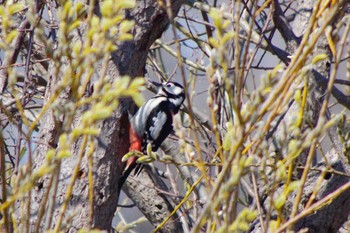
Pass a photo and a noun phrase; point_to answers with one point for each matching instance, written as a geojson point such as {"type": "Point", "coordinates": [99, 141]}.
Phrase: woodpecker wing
{"type": "Point", "coordinates": [139, 121]}
{"type": "Point", "coordinates": [159, 125]}
{"type": "Point", "coordinates": [153, 122]}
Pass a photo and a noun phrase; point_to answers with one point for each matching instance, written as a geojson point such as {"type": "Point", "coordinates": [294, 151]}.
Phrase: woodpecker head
{"type": "Point", "coordinates": [173, 91]}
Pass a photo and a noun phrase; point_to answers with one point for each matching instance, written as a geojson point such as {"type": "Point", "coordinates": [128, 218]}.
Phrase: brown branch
{"type": "Point", "coordinates": [332, 209]}
{"type": "Point", "coordinates": [283, 26]}
{"type": "Point", "coordinates": [337, 94]}
{"type": "Point", "coordinates": [150, 201]}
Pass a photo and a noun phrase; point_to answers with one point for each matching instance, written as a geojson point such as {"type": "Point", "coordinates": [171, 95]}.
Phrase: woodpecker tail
{"type": "Point", "coordinates": [135, 145]}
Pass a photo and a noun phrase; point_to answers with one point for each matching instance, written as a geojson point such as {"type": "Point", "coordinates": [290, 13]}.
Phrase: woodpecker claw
{"type": "Point", "coordinates": [157, 85]}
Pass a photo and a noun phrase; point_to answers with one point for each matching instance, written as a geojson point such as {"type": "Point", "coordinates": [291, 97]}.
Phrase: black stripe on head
{"type": "Point", "coordinates": [170, 95]}
{"type": "Point", "coordinates": [178, 84]}
{"type": "Point", "coordinates": [165, 90]}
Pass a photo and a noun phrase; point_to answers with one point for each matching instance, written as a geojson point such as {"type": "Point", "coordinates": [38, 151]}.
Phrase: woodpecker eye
{"type": "Point", "coordinates": [169, 85]}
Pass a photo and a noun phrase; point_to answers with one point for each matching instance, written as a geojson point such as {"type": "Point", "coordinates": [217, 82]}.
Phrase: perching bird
{"type": "Point", "coordinates": [153, 122]}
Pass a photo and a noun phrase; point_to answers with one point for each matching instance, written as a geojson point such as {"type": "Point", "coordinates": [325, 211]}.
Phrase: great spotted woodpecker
{"type": "Point", "coordinates": [153, 122]}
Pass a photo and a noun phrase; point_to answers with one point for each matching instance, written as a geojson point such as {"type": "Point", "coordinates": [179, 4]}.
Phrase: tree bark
{"type": "Point", "coordinates": [146, 192]}
{"type": "Point", "coordinates": [151, 20]}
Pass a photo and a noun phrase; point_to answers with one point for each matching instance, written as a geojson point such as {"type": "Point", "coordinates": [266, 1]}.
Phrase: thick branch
{"type": "Point", "coordinates": [331, 217]}
{"type": "Point", "coordinates": [151, 202]}
{"type": "Point", "coordinates": [283, 26]}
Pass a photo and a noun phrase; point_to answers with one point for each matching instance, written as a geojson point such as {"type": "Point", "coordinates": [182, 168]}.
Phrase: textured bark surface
{"type": "Point", "coordinates": [332, 216]}
{"type": "Point", "coordinates": [151, 20]}
{"type": "Point", "coordinates": [155, 205]}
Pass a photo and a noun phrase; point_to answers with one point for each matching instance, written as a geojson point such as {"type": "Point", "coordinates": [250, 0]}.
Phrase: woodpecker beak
{"type": "Point", "coordinates": [156, 85]}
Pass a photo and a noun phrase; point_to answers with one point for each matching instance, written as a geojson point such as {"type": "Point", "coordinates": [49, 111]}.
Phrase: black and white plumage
{"type": "Point", "coordinates": [153, 122]}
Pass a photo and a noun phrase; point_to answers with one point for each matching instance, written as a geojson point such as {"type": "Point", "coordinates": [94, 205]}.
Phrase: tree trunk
{"type": "Point", "coordinates": [150, 22]}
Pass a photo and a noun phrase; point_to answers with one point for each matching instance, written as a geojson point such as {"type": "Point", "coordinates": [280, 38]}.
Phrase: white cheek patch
{"type": "Point", "coordinates": [174, 90]}
{"type": "Point", "coordinates": [177, 101]}
{"type": "Point", "coordinates": [158, 123]}
{"type": "Point", "coordinates": [177, 90]}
